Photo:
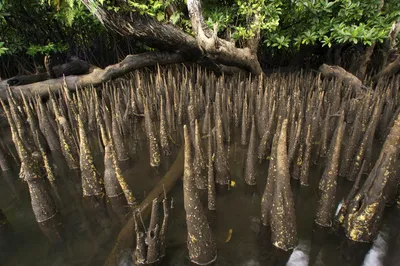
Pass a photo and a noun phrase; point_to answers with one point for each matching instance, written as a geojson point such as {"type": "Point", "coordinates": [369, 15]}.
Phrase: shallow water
{"type": "Point", "coordinates": [250, 245]}
{"type": "Point", "coordinates": [89, 238]}
{"type": "Point", "coordinates": [238, 211]}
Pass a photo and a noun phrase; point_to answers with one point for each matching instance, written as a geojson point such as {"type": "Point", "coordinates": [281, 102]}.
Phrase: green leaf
{"type": "Point", "coordinates": [3, 50]}
{"type": "Point", "coordinates": [160, 16]}
{"type": "Point", "coordinates": [175, 17]}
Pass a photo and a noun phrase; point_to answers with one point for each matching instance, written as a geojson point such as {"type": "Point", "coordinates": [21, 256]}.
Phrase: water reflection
{"type": "Point", "coordinates": [300, 255]}
{"type": "Point", "coordinates": [11, 180]}
{"type": "Point", "coordinates": [237, 210]}
{"type": "Point", "coordinates": [353, 253]}
{"type": "Point", "coordinates": [53, 229]}
{"type": "Point", "coordinates": [376, 255]}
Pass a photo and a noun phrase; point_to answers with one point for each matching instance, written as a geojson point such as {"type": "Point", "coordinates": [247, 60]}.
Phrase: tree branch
{"type": "Point", "coordinates": [165, 37]}
{"type": "Point", "coordinates": [22, 80]}
{"type": "Point", "coordinates": [365, 59]}
{"type": "Point", "coordinates": [98, 76]}
{"type": "Point", "coordinates": [341, 74]}
{"type": "Point", "coordinates": [390, 43]}
{"type": "Point", "coordinates": [218, 49]}
{"type": "Point", "coordinates": [394, 31]}
{"type": "Point", "coordinates": [253, 42]}
{"type": "Point", "coordinates": [389, 70]}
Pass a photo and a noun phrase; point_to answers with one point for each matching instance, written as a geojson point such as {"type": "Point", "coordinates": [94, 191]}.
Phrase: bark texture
{"type": "Point", "coordinates": [389, 70]}
{"type": "Point", "coordinates": [219, 49]}
{"type": "Point", "coordinates": [328, 183]}
{"type": "Point", "coordinates": [365, 211]}
{"type": "Point", "coordinates": [283, 215]}
{"type": "Point", "coordinates": [337, 72]}
{"type": "Point", "coordinates": [200, 241]}
{"type": "Point", "coordinates": [98, 76]}
{"type": "Point", "coordinates": [124, 239]}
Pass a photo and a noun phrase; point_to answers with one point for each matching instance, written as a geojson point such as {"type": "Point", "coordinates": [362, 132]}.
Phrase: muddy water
{"type": "Point", "coordinates": [85, 242]}
{"type": "Point", "coordinates": [236, 226]}
{"type": "Point", "coordinates": [249, 244]}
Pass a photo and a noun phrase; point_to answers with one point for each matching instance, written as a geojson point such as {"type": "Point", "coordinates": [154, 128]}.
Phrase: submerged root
{"type": "Point", "coordinates": [92, 185]}
{"type": "Point", "coordinates": [283, 216]}
{"type": "Point", "coordinates": [200, 241]}
{"type": "Point", "coordinates": [164, 132]}
{"type": "Point", "coordinates": [199, 163]}
{"type": "Point", "coordinates": [249, 170]}
{"type": "Point", "coordinates": [328, 183]}
{"type": "Point", "coordinates": [211, 194]}
{"type": "Point", "coordinates": [222, 170]}
{"type": "Point", "coordinates": [366, 208]}
{"type": "Point", "coordinates": [267, 197]}
{"type": "Point", "coordinates": [154, 150]}
{"type": "Point", "coordinates": [305, 165]}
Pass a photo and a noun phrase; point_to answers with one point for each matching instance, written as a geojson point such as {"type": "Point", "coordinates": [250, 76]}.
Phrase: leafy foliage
{"type": "Point", "coordinates": [39, 27]}
{"type": "Point", "coordinates": [288, 24]}
{"type": "Point", "coordinates": [34, 27]}
{"type": "Point", "coordinates": [46, 49]}
{"type": "Point", "coordinates": [3, 49]}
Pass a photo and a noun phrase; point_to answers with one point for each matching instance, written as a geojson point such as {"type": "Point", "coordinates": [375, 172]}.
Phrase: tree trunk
{"type": "Point", "coordinates": [364, 61]}
{"type": "Point", "coordinates": [218, 49]}
{"type": "Point", "coordinates": [167, 37]}
{"type": "Point", "coordinates": [389, 51]}
{"type": "Point", "coordinates": [337, 54]}
{"type": "Point", "coordinates": [391, 43]}
{"type": "Point", "coordinates": [174, 44]}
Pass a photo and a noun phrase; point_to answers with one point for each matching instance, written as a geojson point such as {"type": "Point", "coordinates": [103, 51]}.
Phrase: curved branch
{"type": "Point", "coordinates": [364, 61]}
{"type": "Point", "coordinates": [366, 57]}
{"type": "Point", "coordinates": [394, 31]}
{"type": "Point", "coordinates": [167, 37]}
{"type": "Point", "coordinates": [253, 42]}
{"type": "Point", "coordinates": [390, 44]}
{"type": "Point", "coordinates": [98, 76]}
{"type": "Point", "coordinates": [147, 29]}
{"type": "Point", "coordinates": [218, 49]}
{"type": "Point", "coordinates": [389, 70]}
{"type": "Point", "coordinates": [340, 73]}
{"type": "Point", "coordinates": [75, 66]}
{"type": "Point", "coordinates": [23, 79]}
